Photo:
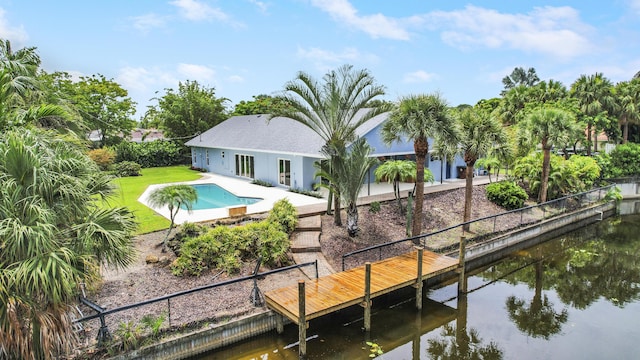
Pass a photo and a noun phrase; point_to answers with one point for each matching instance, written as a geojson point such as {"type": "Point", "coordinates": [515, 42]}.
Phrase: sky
{"type": "Point", "coordinates": [243, 48]}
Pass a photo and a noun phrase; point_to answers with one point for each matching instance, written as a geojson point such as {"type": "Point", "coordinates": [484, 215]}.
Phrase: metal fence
{"type": "Point", "coordinates": [98, 325]}
{"type": "Point", "coordinates": [447, 240]}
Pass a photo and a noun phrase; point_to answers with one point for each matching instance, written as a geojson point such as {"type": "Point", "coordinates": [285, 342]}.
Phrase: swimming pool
{"type": "Point", "coordinates": [212, 196]}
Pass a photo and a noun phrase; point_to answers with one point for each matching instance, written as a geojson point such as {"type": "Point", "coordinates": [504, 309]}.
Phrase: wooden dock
{"type": "Point", "coordinates": [341, 290]}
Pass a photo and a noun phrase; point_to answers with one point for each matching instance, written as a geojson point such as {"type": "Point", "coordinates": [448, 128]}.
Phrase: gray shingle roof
{"type": "Point", "coordinates": [279, 135]}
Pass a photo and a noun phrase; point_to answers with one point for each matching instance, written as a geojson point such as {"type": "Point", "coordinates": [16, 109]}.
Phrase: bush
{"type": "Point", "coordinates": [624, 161]}
{"type": "Point", "coordinates": [374, 207]}
{"type": "Point", "coordinates": [127, 168]}
{"type": "Point", "coordinates": [264, 183]}
{"type": "Point", "coordinates": [506, 194]}
{"type": "Point", "coordinates": [104, 157]}
{"type": "Point", "coordinates": [151, 154]}
{"type": "Point", "coordinates": [285, 215]}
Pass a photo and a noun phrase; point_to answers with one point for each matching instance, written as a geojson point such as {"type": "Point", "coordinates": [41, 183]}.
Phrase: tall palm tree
{"type": "Point", "coordinates": [594, 97]}
{"type": "Point", "coordinates": [331, 108]}
{"type": "Point", "coordinates": [627, 95]}
{"type": "Point", "coordinates": [549, 127]}
{"type": "Point", "coordinates": [54, 235]}
{"type": "Point", "coordinates": [174, 197]}
{"type": "Point", "coordinates": [418, 118]}
{"type": "Point", "coordinates": [350, 169]}
{"type": "Point", "coordinates": [479, 133]}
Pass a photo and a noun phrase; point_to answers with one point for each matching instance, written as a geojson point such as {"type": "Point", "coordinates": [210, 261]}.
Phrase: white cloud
{"type": "Point", "coordinates": [377, 25]}
{"type": "Point", "coordinates": [553, 31]}
{"type": "Point", "coordinates": [261, 5]}
{"type": "Point", "coordinates": [635, 6]}
{"type": "Point", "coordinates": [197, 11]}
{"type": "Point", "coordinates": [196, 72]}
{"type": "Point", "coordinates": [17, 35]}
{"type": "Point", "coordinates": [419, 76]}
{"type": "Point", "coordinates": [325, 60]}
{"type": "Point", "coordinates": [235, 79]}
{"type": "Point", "coordinates": [147, 22]}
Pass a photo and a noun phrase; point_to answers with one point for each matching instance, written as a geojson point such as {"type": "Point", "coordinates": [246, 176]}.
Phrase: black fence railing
{"type": "Point", "coordinates": [447, 239]}
{"type": "Point", "coordinates": [255, 297]}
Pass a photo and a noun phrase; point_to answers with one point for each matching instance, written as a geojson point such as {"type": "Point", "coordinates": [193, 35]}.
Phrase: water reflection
{"type": "Point", "coordinates": [562, 299]}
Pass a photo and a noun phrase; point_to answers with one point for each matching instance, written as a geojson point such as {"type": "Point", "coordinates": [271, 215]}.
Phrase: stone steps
{"type": "Point", "coordinates": [309, 223]}
{"type": "Point", "coordinates": [305, 241]}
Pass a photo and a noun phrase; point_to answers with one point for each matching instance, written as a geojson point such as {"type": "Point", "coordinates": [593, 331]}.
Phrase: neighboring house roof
{"type": "Point", "coordinates": [137, 135]}
{"type": "Point", "coordinates": [278, 135]}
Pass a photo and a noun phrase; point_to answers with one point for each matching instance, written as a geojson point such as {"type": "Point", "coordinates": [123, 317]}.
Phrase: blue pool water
{"type": "Point", "coordinates": [212, 196]}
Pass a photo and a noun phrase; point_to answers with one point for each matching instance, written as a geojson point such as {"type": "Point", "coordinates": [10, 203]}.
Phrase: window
{"type": "Point", "coordinates": [193, 156]}
{"type": "Point", "coordinates": [284, 172]}
{"type": "Point", "coordinates": [244, 166]}
{"type": "Point", "coordinates": [207, 152]}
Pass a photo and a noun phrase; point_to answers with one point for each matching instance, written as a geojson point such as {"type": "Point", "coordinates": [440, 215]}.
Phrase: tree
{"type": "Point", "coordinates": [333, 109]}
{"type": "Point", "coordinates": [594, 97]}
{"type": "Point", "coordinates": [520, 77]}
{"type": "Point", "coordinates": [55, 234]}
{"type": "Point", "coordinates": [190, 110]}
{"type": "Point", "coordinates": [261, 104]}
{"type": "Point", "coordinates": [350, 170]}
{"type": "Point", "coordinates": [627, 95]}
{"type": "Point", "coordinates": [548, 127]}
{"type": "Point", "coordinates": [445, 152]}
{"type": "Point", "coordinates": [105, 106]}
{"type": "Point", "coordinates": [174, 197]}
{"type": "Point", "coordinates": [479, 133]}
{"type": "Point", "coordinates": [395, 171]}
{"type": "Point", "coordinates": [418, 118]}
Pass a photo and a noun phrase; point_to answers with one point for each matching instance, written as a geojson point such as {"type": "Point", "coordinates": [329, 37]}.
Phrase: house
{"type": "Point", "coordinates": [282, 151]}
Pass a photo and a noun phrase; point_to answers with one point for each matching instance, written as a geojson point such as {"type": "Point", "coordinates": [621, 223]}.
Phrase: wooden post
{"type": "Point", "coordinates": [462, 281]}
{"type": "Point", "coordinates": [367, 297]}
{"type": "Point", "coordinates": [279, 323]}
{"type": "Point", "coordinates": [418, 284]}
{"type": "Point", "coordinates": [302, 321]}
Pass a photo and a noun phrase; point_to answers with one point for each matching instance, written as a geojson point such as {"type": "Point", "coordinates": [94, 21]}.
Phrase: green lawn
{"type": "Point", "coordinates": [129, 190]}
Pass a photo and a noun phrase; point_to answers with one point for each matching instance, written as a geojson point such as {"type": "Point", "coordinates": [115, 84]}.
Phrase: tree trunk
{"type": "Point", "coordinates": [337, 216]}
{"type": "Point", "coordinates": [468, 192]}
{"type": "Point", "coordinates": [352, 219]}
{"type": "Point", "coordinates": [588, 139]}
{"type": "Point", "coordinates": [544, 181]}
{"type": "Point", "coordinates": [625, 130]}
{"type": "Point", "coordinates": [421, 148]}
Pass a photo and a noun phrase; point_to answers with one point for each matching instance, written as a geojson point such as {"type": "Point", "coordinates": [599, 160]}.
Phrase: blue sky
{"type": "Point", "coordinates": [249, 47]}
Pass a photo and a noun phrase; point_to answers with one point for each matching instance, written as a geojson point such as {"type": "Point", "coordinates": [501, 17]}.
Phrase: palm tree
{"type": "Point", "coordinates": [54, 235]}
{"type": "Point", "coordinates": [594, 97]}
{"type": "Point", "coordinates": [418, 118]}
{"type": "Point", "coordinates": [627, 94]}
{"type": "Point", "coordinates": [549, 127]}
{"type": "Point", "coordinates": [520, 77]}
{"type": "Point", "coordinates": [479, 133]}
{"type": "Point", "coordinates": [350, 169]}
{"type": "Point", "coordinates": [332, 109]}
{"type": "Point", "coordinates": [174, 197]}
{"type": "Point", "coordinates": [395, 171]}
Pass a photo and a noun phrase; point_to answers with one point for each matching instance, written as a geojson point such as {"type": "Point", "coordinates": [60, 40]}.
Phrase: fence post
{"type": "Point", "coordinates": [302, 321]}
{"type": "Point", "coordinates": [462, 281]}
{"type": "Point", "coordinates": [367, 297]}
{"type": "Point", "coordinates": [317, 273]}
{"type": "Point", "coordinates": [418, 284]}
{"type": "Point", "coordinates": [169, 311]}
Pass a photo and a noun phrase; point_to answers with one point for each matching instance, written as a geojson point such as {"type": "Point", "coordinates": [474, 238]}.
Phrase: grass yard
{"type": "Point", "coordinates": [129, 190]}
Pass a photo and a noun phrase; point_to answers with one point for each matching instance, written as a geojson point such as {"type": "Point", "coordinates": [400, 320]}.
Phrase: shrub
{"type": "Point", "coordinates": [285, 215]}
{"type": "Point", "coordinates": [151, 154]}
{"type": "Point", "coordinates": [103, 157]}
{"type": "Point", "coordinates": [314, 194]}
{"type": "Point", "coordinates": [506, 194]}
{"type": "Point", "coordinates": [264, 183]}
{"type": "Point", "coordinates": [374, 207]}
{"type": "Point", "coordinates": [624, 161]}
{"type": "Point", "coordinates": [127, 168]}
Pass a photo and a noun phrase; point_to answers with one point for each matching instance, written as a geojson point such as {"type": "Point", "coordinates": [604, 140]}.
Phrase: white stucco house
{"type": "Point", "coordinates": [282, 151]}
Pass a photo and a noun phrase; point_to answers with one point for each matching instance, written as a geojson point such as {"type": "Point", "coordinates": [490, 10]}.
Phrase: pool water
{"type": "Point", "coordinates": [212, 196]}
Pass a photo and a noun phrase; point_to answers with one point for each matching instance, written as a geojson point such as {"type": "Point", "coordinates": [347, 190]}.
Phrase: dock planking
{"type": "Point", "coordinates": [344, 289]}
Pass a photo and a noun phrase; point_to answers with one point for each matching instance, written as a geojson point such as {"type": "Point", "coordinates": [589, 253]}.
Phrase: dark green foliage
{"type": "Point", "coordinates": [127, 168]}
{"type": "Point", "coordinates": [624, 160]}
{"type": "Point", "coordinates": [285, 215]}
{"type": "Point", "coordinates": [374, 207]}
{"type": "Point", "coordinates": [226, 248]}
{"type": "Point", "coordinates": [314, 194]}
{"type": "Point", "coordinates": [151, 154]}
{"type": "Point", "coordinates": [506, 194]}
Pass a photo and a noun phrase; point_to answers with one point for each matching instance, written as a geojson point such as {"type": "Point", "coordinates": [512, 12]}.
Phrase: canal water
{"type": "Point", "coordinates": [575, 297]}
